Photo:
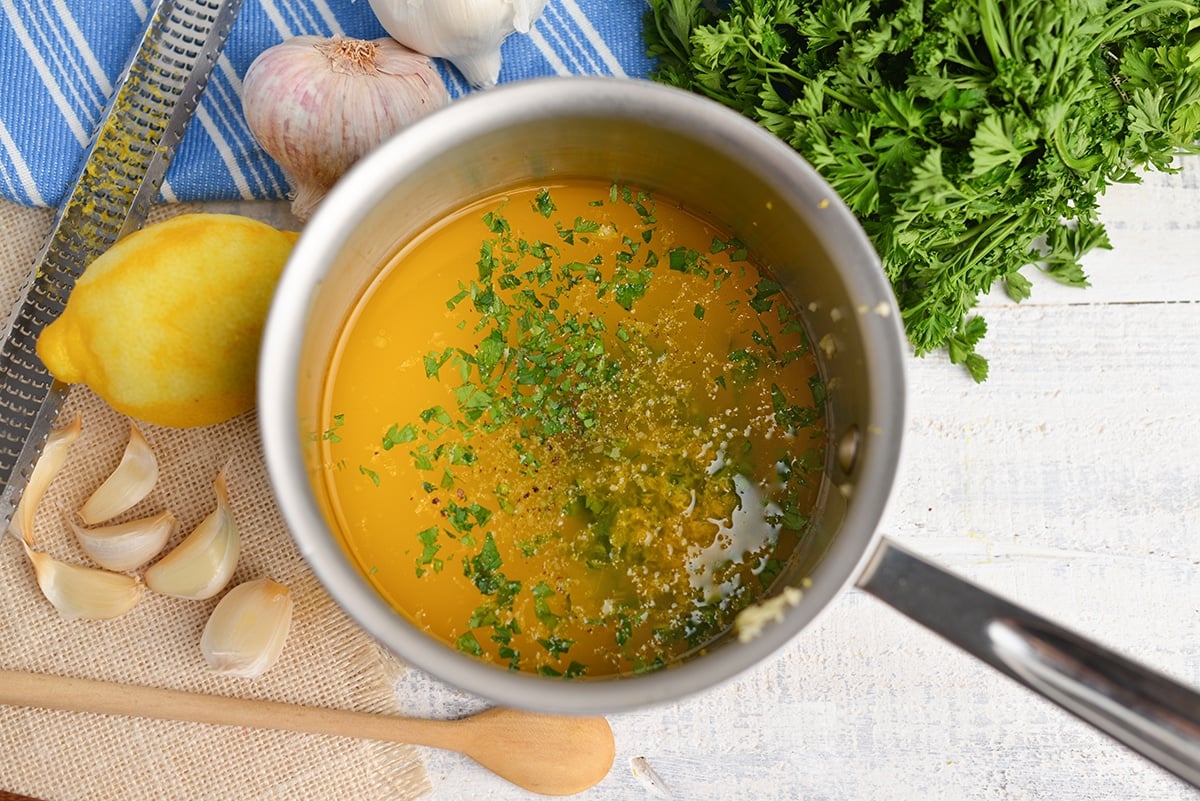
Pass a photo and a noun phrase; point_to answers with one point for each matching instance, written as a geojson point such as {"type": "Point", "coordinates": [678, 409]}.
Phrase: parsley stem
{"type": "Point", "coordinates": [841, 97]}
{"type": "Point", "coordinates": [993, 37]}
{"type": "Point", "coordinates": [1077, 164]}
{"type": "Point", "coordinates": [677, 40]}
{"type": "Point", "coordinates": [997, 232]}
{"type": "Point", "coordinates": [773, 67]}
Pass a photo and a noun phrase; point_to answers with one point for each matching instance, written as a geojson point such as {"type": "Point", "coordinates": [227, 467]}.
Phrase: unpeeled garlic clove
{"type": "Point", "coordinates": [126, 546]}
{"type": "Point", "coordinates": [201, 565]}
{"type": "Point", "coordinates": [246, 631]}
{"type": "Point", "coordinates": [133, 479]}
{"type": "Point", "coordinates": [54, 456]}
{"type": "Point", "coordinates": [77, 591]}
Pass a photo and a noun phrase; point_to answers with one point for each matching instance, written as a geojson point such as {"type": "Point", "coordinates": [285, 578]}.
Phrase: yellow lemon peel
{"type": "Point", "coordinates": [165, 325]}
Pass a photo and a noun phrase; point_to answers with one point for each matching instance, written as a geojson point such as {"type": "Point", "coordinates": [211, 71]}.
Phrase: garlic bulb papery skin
{"type": "Point", "coordinates": [54, 456]}
{"type": "Point", "coordinates": [77, 591]}
{"type": "Point", "coordinates": [468, 33]}
{"type": "Point", "coordinates": [126, 546]}
{"type": "Point", "coordinates": [318, 105]}
{"type": "Point", "coordinates": [246, 631]}
{"type": "Point", "coordinates": [131, 481]}
{"type": "Point", "coordinates": [201, 565]}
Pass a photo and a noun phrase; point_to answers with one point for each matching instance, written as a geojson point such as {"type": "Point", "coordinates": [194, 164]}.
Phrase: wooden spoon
{"type": "Point", "coordinates": [547, 754]}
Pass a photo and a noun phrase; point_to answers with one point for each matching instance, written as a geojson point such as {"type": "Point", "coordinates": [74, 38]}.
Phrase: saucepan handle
{"type": "Point", "coordinates": [1152, 714]}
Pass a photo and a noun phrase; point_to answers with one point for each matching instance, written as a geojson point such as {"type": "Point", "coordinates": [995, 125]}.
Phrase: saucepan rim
{"type": "Point", "coordinates": [474, 116]}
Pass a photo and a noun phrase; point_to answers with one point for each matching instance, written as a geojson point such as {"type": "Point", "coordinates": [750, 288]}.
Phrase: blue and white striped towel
{"type": "Point", "coordinates": [59, 58]}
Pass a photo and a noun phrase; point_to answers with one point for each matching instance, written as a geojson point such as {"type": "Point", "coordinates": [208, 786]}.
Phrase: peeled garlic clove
{"type": "Point", "coordinates": [201, 565]}
{"type": "Point", "coordinates": [247, 629]}
{"type": "Point", "coordinates": [77, 591]}
{"type": "Point", "coordinates": [126, 546]}
{"type": "Point", "coordinates": [133, 479]}
{"type": "Point", "coordinates": [466, 32]}
{"type": "Point", "coordinates": [318, 105]}
{"type": "Point", "coordinates": [54, 456]}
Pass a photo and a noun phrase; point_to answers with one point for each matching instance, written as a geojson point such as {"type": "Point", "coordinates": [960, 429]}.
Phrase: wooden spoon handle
{"type": "Point", "coordinates": [86, 695]}
{"type": "Point", "coordinates": [544, 753]}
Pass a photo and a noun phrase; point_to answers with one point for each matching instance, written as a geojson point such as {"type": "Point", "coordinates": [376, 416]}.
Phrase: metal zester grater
{"type": "Point", "coordinates": [119, 179]}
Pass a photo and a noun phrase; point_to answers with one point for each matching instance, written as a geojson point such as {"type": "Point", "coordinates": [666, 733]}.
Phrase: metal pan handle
{"type": "Point", "coordinates": [1150, 713]}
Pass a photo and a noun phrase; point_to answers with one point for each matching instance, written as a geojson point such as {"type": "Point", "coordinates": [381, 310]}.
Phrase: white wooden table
{"type": "Point", "coordinates": [1069, 482]}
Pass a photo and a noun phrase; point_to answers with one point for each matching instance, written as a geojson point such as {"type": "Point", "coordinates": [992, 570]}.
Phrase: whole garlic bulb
{"type": "Point", "coordinates": [318, 105]}
{"type": "Point", "coordinates": [466, 32]}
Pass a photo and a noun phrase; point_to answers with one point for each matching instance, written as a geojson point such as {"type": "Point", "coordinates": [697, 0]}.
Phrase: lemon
{"type": "Point", "coordinates": [165, 326]}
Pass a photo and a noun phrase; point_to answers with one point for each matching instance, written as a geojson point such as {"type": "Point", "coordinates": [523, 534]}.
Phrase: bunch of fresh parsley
{"type": "Point", "coordinates": [972, 138]}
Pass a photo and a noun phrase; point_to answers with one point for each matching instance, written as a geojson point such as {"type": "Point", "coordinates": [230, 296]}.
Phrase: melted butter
{"type": "Point", "coordinates": [630, 473]}
{"type": "Point", "coordinates": [747, 530]}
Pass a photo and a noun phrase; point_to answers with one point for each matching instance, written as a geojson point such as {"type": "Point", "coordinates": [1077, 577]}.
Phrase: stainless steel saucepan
{"type": "Point", "coordinates": [723, 166]}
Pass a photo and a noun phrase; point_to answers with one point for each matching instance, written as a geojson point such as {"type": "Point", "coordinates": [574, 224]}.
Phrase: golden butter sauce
{"type": "Point", "coordinates": [573, 430]}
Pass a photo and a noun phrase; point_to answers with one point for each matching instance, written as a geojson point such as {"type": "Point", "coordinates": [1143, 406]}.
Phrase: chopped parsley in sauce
{"type": "Point", "coordinates": [573, 431]}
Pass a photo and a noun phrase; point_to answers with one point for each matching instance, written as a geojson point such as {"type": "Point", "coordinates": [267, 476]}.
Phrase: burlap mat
{"type": "Point", "coordinates": [327, 661]}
